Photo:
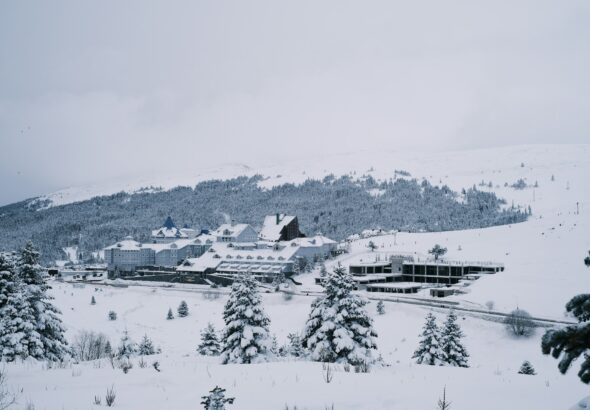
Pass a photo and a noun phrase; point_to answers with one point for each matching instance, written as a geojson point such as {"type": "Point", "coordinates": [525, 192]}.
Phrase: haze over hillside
{"type": "Point", "coordinates": [458, 169]}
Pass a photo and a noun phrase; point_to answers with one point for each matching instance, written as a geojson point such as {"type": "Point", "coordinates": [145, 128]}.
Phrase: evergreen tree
{"type": "Point", "coordinates": [209, 345]}
{"type": "Point", "coordinates": [245, 338]}
{"type": "Point", "coordinates": [127, 347]}
{"type": "Point", "coordinates": [108, 349]}
{"type": "Point", "coordinates": [295, 346]}
{"type": "Point", "coordinates": [45, 316]}
{"type": "Point", "coordinates": [18, 334]}
{"type": "Point", "coordinates": [527, 368]}
{"type": "Point", "coordinates": [8, 279]}
{"type": "Point", "coordinates": [338, 328]}
{"type": "Point", "coordinates": [182, 309]}
{"type": "Point", "coordinates": [146, 347]}
{"type": "Point", "coordinates": [274, 345]}
{"type": "Point", "coordinates": [170, 315]}
{"type": "Point", "coordinates": [216, 399]}
{"type": "Point", "coordinates": [93, 301]}
{"type": "Point", "coordinates": [454, 353]}
{"type": "Point", "coordinates": [323, 270]}
{"type": "Point", "coordinates": [572, 341]}
{"type": "Point", "coordinates": [429, 351]}
{"type": "Point", "coordinates": [380, 307]}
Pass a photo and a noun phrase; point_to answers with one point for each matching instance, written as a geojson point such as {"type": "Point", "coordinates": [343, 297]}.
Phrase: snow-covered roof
{"type": "Point", "coordinates": [169, 230]}
{"type": "Point", "coordinates": [229, 254]}
{"type": "Point", "coordinates": [230, 230]}
{"type": "Point", "coordinates": [129, 244]}
{"type": "Point", "coordinates": [273, 225]}
{"type": "Point", "coordinates": [313, 241]}
{"type": "Point", "coordinates": [371, 263]}
{"type": "Point", "coordinates": [164, 232]}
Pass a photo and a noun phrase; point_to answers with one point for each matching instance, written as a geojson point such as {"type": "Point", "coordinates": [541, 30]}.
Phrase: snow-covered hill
{"type": "Point", "coordinates": [456, 169]}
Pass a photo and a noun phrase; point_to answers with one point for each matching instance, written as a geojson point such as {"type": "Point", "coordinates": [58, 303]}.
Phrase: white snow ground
{"type": "Point", "coordinates": [544, 269]}
{"type": "Point", "coordinates": [491, 383]}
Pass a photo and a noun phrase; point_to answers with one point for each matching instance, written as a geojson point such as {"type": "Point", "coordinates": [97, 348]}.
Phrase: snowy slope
{"type": "Point", "coordinates": [458, 169]}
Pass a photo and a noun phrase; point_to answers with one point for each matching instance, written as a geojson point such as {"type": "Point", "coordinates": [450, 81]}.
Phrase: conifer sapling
{"type": "Point", "coordinates": [182, 309]}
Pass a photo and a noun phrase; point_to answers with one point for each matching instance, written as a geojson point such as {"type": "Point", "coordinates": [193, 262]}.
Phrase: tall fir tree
{"type": "Point", "coordinates": [429, 351]}
{"type": "Point", "coordinates": [18, 334]}
{"type": "Point", "coordinates": [209, 345]}
{"type": "Point", "coordinates": [245, 337]}
{"type": "Point", "coordinates": [8, 278]}
{"type": "Point", "coordinates": [339, 328]}
{"type": "Point", "coordinates": [454, 353]}
{"type": "Point", "coordinates": [45, 316]}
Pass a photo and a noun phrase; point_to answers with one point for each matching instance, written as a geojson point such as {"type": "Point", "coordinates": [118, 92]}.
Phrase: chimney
{"type": "Point", "coordinates": [278, 218]}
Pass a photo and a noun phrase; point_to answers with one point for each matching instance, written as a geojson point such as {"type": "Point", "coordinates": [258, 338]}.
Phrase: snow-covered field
{"type": "Point", "coordinates": [544, 269]}
{"type": "Point", "coordinates": [492, 381]}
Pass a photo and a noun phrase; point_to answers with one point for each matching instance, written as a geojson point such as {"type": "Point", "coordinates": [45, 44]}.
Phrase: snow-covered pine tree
{"type": "Point", "coordinates": [454, 353]}
{"type": "Point", "coordinates": [245, 337]}
{"type": "Point", "coordinates": [18, 335]}
{"type": "Point", "coordinates": [209, 345]}
{"type": "Point", "coordinates": [45, 316]}
{"type": "Point", "coordinates": [429, 351]}
{"type": "Point", "coordinates": [571, 342]}
{"type": "Point", "coordinates": [182, 309]}
{"type": "Point", "coordinates": [339, 328]}
{"type": "Point", "coordinates": [93, 301]}
{"type": "Point", "coordinates": [295, 346]}
{"type": "Point", "coordinates": [527, 368]}
{"type": "Point", "coordinates": [380, 307]}
{"type": "Point", "coordinates": [323, 270]}
{"type": "Point", "coordinates": [146, 347]}
{"type": "Point", "coordinates": [216, 399]}
{"type": "Point", "coordinates": [127, 347]}
{"type": "Point", "coordinates": [108, 349]}
{"type": "Point", "coordinates": [274, 345]}
{"type": "Point", "coordinates": [8, 279]}
{"type": "Point", "coordinates": [170, 315]}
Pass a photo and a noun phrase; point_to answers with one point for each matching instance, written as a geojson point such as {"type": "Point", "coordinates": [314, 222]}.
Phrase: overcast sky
{"type": "Point", "coordinates": [95, 90]}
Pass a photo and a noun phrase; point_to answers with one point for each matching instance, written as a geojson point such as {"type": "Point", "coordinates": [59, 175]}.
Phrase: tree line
{"type": "Point", "coordinates": [336, 207]}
